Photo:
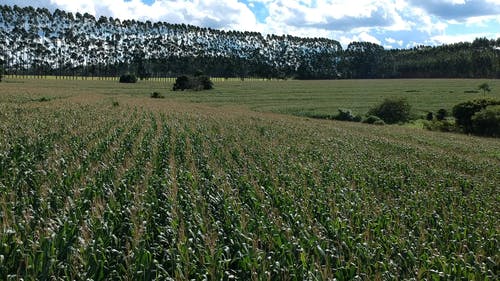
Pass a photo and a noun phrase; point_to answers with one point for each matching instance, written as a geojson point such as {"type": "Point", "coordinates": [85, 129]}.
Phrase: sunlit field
{"type": "Point", "coordinates": [100, 181]}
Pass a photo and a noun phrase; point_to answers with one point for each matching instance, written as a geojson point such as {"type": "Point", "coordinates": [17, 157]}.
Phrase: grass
{"type": "Point", "coordinates": [288, 97]}
{"type": "Point", "coordinates": [102, 182]}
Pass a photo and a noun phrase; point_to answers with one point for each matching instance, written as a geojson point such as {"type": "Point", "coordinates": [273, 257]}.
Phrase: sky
{"type": "Point", "coordinates": [390, 23]}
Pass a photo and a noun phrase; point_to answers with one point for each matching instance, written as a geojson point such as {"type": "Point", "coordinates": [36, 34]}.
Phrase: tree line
{"type": "Point", "coordinates": [40, 42]}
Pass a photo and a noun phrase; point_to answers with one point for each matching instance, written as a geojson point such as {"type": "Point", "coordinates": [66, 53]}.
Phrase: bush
{"type": "Point", "coordinates": [441, 114]}
{"type": "Point", "coordinates": [440, 125]}
{"type": "Point", "coordinates": [182, 83]}
{"type": "Point", "coordinates": [205, 82]}
{"type": "Point", "coordinates": [371, 119]}
{"type": "Point", "coordinates": [128, 78]}
{"type": "Point", "coordinates": [487, 121]}
{"type": "Point", "coordinates": [156, 95]}
{"type": "Point", "coordinates": [464, 111]}
{"type": "Point", "coordinates": [346, 115]}
{"type": "Point", "coordinates": [392, 110]}
{"type": "Point", "coordinates": [196, 83]}
{"type": "Point", "coordinates": [429, 116]}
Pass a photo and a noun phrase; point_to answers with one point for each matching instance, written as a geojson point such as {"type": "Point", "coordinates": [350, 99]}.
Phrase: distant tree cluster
{"type": "Point", "coordinates": [197, 83]}
{"type": "Point", "coordinates": [128, 78]}
{"type": "Point", "coordinates": [40, 42]}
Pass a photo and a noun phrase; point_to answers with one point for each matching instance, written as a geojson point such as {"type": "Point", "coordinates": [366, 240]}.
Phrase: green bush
{"type": "Point", "coordinates": [392, 110]}
{"type": "Point", "coordinates": [440, 125]}
{"type": "Point", "coordinates": [464, 111]}
{"type": "Point", "coordinates": [156, 95]}
{"type": "Point", "coordinates": [196, 83]}
{"type": "Point", "coordinates": [128, 78]}
{"type": "Point", "coordinates": [205, 82]}
{"type": "Point", "coordinates": [347, 115]}
{"type": "Point", "coordinates": [487, 121]}
{"type": "Point", "coordinates": [429, 116]}
{"type": "Point", "coordinates": [371, 119]}
{"type": "Point", "coordinates": [441, 114]}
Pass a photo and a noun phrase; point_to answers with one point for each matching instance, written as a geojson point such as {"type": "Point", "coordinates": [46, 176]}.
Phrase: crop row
{"type": "Point", "coordinates": [139, 193]}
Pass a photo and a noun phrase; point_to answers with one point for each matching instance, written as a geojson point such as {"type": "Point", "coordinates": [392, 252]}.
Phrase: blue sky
{"type": "Point", "coordinates": [390, 23]}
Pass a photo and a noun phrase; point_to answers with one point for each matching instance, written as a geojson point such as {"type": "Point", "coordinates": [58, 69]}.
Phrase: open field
{"type": "Point", "coordinates": [99, 181]}
{"type": "Point", "coordinates": [289, 97]}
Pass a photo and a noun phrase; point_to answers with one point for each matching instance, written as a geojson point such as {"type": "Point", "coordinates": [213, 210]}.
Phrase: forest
{"type": "Point", "coordinates": [36, 41]}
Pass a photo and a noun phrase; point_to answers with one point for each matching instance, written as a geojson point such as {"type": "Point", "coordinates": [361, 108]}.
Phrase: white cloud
{"type": "Point", "coordinates": [449, 39]}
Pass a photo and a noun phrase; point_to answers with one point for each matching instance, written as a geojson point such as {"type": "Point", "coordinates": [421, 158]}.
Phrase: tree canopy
{"type": "Point", "coordinates": [36, 41]}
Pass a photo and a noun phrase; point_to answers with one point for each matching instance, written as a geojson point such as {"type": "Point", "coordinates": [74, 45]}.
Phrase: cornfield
{"type": "Point", "coordinates": [141, 189]}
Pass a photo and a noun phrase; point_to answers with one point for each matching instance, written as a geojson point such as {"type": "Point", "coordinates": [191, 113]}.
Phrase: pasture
{"type": "Point", "coordinates": [99, 181]}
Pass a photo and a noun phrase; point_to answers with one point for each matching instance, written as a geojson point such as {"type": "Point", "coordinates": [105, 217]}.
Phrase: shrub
{"type": "Point", "coordinates": [196, 83]}
{"type": "Point", "coordinates": [392, 110]}
{"type": "Point", "coordinates": [205, 82]}
{"type": "Point", "coordinates": [487, 121]}
{"type": "Point", "coordinates": [371, 119]}
{"type": "Point", "coordinates": [128, 78]}
{"type": "Point", "coordinates": [429, 116]}
{"type": "Point", "coordinates": [115, 104]}
{"type": "Point", "coordinates": [464, 111]}
{"type": "Point", "coordinates": [441, 114]}
{"type": "Point", "coordinates": [440, 125]}
{"type": "Point", "coordinates": [182, 83]}
{"type": "Point", "coordinates": [156, 95]}
{"type": "Point", "coordinates": [344, 115]}
{"type": "Point", "coordinates": [485, 87]}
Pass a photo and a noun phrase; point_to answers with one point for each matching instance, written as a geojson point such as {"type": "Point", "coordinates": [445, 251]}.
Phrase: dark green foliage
{"type": "Point", "coordinates": [441, 114]}
{"type": "Point", "coordinates": [392, 110]}
{"type": "Point", "coordinates": [205, 82]}
{"type": "Point", "coordinates": [115, 104]}
{"type": "Point", "coordinates": [464, 111]}
{"type": "Point", "coordinates": [1, 74]}
{"type": "Point", "coordinates": [128, 78]}
{"type": "Point", "coordinates": [487, 121]}
{"type": "Point", "coordinates": [182, 83]}
{"type": "Point", "coordinates": [440, 126]}
{"type": "Point", "coordinates": [485, 87]}
{"type": "Point", "coordinates": [197, 83]}
{"type": "Point", "coordinates": [347, 115]}
{"type": "Point", "coordinates": [156, 95]}
{"type": "Point", "coordinates": [43, 99]}
{"type": "Point", "coordinates": [306, 58]}
{"type": "Point", "coordinates": [372, 119]}
{"type": "Point", "coordinates": [429, 116]}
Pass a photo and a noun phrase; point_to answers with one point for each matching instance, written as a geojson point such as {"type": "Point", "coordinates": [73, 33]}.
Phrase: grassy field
{"type": "Point", "coordinates": [99, 181]}
{"type": "Point", "coordinates": [289, 97]}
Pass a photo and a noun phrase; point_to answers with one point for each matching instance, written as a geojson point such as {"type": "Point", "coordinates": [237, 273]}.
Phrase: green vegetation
{"type": "Point", "coordinates": [158, 189]}
{"type": "Point", "coordinates": [463, 112]}
{"type": "Point", "coordinates": [392, 111]}
{"type": "Point", "coordinates": [487, 121]}
{"type": "Point", "coordinates": [485, 87]}
{"type": "Point", "coordinates": [441, 114]}
{"type": "Point", "coordinates": [128, 78]}
{"type": "Point", "coordinates": [197, 83]}
{"type": "Point", "coordinates": [156, 95]}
